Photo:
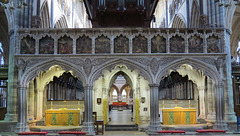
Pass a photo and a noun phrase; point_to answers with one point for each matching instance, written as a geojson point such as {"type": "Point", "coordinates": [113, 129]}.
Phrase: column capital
{"type": "Point", "coordinates": [153, 85]}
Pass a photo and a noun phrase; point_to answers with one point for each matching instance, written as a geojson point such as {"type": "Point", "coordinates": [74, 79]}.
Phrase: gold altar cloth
{"type": "Point", "coordinates": [62, 117]}
{"type": "Point", "coordinates": [179, 116]}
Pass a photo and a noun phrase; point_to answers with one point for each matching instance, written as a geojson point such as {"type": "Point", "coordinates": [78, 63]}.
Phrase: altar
{"type": "Point", "coordinates": [179, 116]}
{"type": "Point", "coordinates": [62, 117]}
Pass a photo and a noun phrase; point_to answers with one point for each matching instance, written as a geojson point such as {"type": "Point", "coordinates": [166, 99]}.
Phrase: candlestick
{"type": "Point", "coordinates": [78, 105]}
{"type": "Point", "coordinates": [188, 101]}
{"type": "Point", "coordinates": [163, 102]}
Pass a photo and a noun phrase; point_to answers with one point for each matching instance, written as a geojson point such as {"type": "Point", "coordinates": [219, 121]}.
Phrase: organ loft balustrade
{"type": "Point", "coordinates": [115, 41]}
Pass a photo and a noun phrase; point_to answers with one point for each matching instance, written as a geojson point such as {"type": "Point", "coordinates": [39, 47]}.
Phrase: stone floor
{"type": "Point", "coordinates": [121, 117]}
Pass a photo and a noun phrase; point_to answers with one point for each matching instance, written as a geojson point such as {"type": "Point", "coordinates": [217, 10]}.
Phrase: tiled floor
{"type": "Point", "coordinates": [121, 117]}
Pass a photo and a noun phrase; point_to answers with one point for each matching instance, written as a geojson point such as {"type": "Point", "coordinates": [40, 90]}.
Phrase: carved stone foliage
{"type": "Point", "coordinates": [158, 44]}
{"type": "Point", "coordinates": [195, 44]}
{"type": "Point", "coordinates": [27, 45]}
{"type": "Point", "coordinates": [213, 45]}
{"type": "Point", "coordinates": [121, 44]}
{"type": "Point", "coordinates": [65, 45]}
{"type": "Point", "coordinates": [177, 45]}
{"type": "Point", "coordinates": [46, 45]}
{"type": "Point", "coordinates": [140, 45]}
{"type": "Point", "coordinates": [102, 45]}
{"type": "Point", "coordinates": [84, 45]}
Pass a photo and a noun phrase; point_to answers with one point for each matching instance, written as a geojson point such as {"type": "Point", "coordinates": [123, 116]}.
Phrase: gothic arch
{"type": "Point", "coordinates": [179, 21]}
{"type": "Point", "coordinates": [195, 15]}
{"type": "Point", "coordinates": [235, 26]}
{"type": "Point", "coordinates": [196, 64]}
{"type": "Point", "coordinates": [126, 75]}
{"type": "Point", "coordinates": [60, 22]}
{"type": "Point", "coordinates": [131, 65]}
{"type": "Point", "coordinates": [45, 19]}
{"type": "Point", "coordinates": [115, 87]}
{"type": "Point", "coordinates": [34, 70]}
{"type": "Point", "coordinates": [123, 87]}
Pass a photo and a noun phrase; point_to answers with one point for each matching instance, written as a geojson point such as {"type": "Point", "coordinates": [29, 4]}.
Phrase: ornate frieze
{"type": "Point", "coordinates": [115, 41]}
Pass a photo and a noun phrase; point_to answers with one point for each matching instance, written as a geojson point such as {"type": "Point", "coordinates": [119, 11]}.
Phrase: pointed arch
{"type": "Point", "coordinates": [179, 21]}
{"type": "Point", "coordinates": [195, 15]}
{"type": "Point", "coordinates": [33, 72]}
{"type": "Point", "coordinates": [196, 64]}
{"type": "Point", "coordinates": [131, 65]}
{"type": "Point", "coordinates": [45, 16]}
{"type": "Point", "coordinates": [60, 22]}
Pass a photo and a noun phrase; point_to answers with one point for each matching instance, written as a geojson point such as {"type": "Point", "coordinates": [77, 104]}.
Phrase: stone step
{"type": "Point", "coordinates": [121, 128]}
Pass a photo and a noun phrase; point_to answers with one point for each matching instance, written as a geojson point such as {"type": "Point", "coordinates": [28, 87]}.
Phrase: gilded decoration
{"type": "Point", "coordinates": [65, 45]}
{"type": "Point", "coordinates": [177, 45]}
{"type": "Point", "coordinates": [137, 118]}
{"type": "Point", "coordinates": [46, 45]}
{"type": "Point", "coordinates": [158, 44]}
{"type": "Point", "coordinates": [195, 44]}
{"type": "Point", "coordinates": [27, 45]}
{"type": "Point", "coordinates": [105, 111]}
{"type": "Point", "coordinates": [102, 45]}
{"type": "Point", "coordinates": [84, 45]}
{"type": "Point", "coordinates": [140, 45]}
{"type": "Point", "coordinates": [213, 44]}
{"type": "Point", "coordinates": [121, 44]}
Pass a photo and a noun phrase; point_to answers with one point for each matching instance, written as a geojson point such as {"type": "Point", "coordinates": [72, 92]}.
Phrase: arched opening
{"type": "Point", "coordinates": [121, 90]}
{"type": "Point", "coordinates": [121, 106]}
{"type": "Point", "coordinates": [195, 15]}
{"type": "Point", "coordinates": [188, 89]}
{"type": "Point", "coordinates": [179, 21]}
{"type": "Point", "coordinates": [55, 98]}
{"type": "Point", "coordinates": [61, 22]}
{"type": "Point", "coordinates": [45, 16]}
{"type": "Point", "coordinates": [4, 59]}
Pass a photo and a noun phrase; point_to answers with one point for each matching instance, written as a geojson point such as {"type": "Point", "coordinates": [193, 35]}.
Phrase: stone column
{"type": "Point", "coordinates": [219, 106]}
{"type": "Point", "coordinates": [88, 122]}
{"type": "Point", "coordinates": [229, 105]}
{"type": "Point", "coordinates": [211, 101]}
{"type": "Point", "coordinates": [22, 125]}
{"type": "Point", "coordinates": [31, 101]}
{"type": "Point", "coordinates": [202, 103]}
{"type": "Point", "coordinates": [154, 126]}
{"type": "Point", "coordinates": [39, 104]}
{"type": "Point", "coordinates": [12, 83]}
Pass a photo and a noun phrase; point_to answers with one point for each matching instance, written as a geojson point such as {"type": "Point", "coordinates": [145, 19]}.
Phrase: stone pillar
{"type": "Point", "coordinates": [12, 83]}
{"type": "Point", "coordinates": [211, 115]}
{"type": "Point", "coordinates": [39, 104]}
{"type": "Point", "coordinates": [154, 126]}
{"type": "Point", "coordinates": [229, 104]}
{"type": "Point", "coordinates": [219, 106]}
{"type": "Point", "coordinates": [31, 101]}
{"type": "Point", "coordinates": [22, 125]}
{"type": "Point", "coordinates": [88, 122]}
{"type": "Point", "coordinates": [202, 102]}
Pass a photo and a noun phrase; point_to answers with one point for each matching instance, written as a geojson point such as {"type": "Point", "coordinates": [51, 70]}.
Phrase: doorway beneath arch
{"type": "Point", "coordinates": [120, 102]}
